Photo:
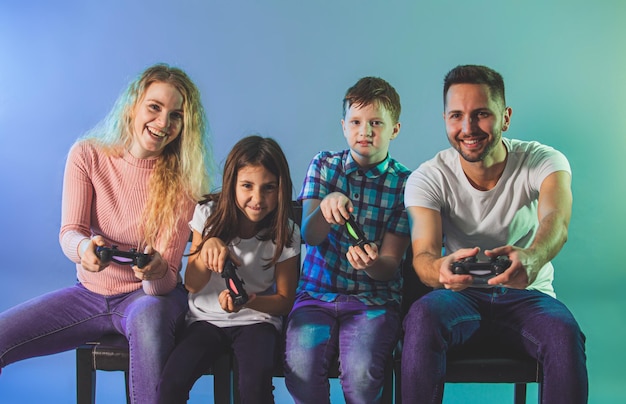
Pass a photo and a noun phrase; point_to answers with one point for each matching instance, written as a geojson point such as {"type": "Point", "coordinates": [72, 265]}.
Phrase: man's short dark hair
{"type": "Point", "coordinates": [475, 74]}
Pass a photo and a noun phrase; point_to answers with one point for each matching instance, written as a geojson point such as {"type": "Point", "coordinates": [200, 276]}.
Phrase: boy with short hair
{"type": "Point", "coordinates": [347, 305]}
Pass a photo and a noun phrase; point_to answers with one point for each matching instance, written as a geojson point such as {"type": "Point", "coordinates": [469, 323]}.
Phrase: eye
{"type": "Point", "coordinates": [177, 116]}
{"type": "Point", "coordinates": [483, 114]}
{"type": "Point", "coordinates": [154, 107]}
{"type": "Point", "coordinates": [355, 122]}
{"type": "Point", "coordinates": [270, 188]}
{"type": "Point", "coordinates": [454, 115]}
{"type": "Point", "coordinates": [376, 123]}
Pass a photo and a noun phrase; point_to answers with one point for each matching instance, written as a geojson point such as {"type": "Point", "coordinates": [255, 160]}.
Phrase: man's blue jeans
{"type": "Point", "coordinates": [362, 337]}
{"type": "Point", "coordinates": [64, 319]}
{"type": "Point", "coordinates": [520, 320]}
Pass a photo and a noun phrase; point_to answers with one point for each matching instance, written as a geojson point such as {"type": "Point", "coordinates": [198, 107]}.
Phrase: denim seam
{"type": "Point", "coordinates": [48, 333]}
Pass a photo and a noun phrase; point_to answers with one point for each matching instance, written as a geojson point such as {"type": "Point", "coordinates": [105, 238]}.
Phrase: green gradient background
{"type": "Point", "coordinates": [280, 68]}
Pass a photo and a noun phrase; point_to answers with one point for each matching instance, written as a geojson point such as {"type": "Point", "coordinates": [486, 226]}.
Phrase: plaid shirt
{"type": "Point", "coordinates": [378, 198]}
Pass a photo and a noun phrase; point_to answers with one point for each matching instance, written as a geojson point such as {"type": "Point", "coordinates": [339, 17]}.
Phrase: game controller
{"type": "Point", "coordinates": [234, 284]}
{"type": "Point", "coordinates": [357, 237]}
{"type": "Point", "coordinates": [131, 257]}
{"type": "Point", "coordinates": [482, 271]}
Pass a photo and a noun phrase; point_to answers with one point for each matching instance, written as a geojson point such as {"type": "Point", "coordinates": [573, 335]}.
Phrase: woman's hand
{"type": "Point", "coordinates": [155, 269]}
{"type": "Point", "coordinates": [88, 258]}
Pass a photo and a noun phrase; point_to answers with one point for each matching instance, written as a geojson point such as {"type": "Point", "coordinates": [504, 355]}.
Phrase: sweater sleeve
{"type": "Point", "coordinates": [76, 204]}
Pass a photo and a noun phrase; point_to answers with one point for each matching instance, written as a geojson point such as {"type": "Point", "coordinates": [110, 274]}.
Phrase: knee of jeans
{"type": "Point", "coordinates": [155, 312]}
{"type": "Point", "coordinates": [418, 316]}
{"type": "Point", "coordinates": [363, 380]}
{"type": "Point", "coordinates": [564, 333]}
{"type": "Point", "coordinates": [306, 345]}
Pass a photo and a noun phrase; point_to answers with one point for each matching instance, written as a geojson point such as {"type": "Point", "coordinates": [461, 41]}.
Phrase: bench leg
{"type": "Point", "coordinates": [520, 393]}
{"type": "Point", "coordinates": [85, 378]}
{"type": "Point", "coordinates": [127, 387]}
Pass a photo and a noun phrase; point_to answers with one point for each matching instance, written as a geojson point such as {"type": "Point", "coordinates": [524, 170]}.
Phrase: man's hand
{"type": "Point", "coordinates": [522, 272]}
{"type": "Point", "coordinates": [450, 280]}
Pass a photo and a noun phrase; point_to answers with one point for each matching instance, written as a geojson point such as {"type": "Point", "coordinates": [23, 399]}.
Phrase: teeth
{"type": "Point", "coordinates": [157, 133]}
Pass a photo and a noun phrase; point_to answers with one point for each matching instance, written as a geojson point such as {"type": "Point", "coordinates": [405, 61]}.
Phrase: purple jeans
{"type": "Point", "coordinates": [64, 319]}
{"type": "Point", "coordinates": [521, 320]}
{"type": "Point", "coordinates": [362, 337]}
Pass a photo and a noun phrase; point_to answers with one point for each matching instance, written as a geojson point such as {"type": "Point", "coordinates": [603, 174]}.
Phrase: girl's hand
{"type": "Point", "coordinates": [227, 302]}
{"type": "Point", "coordinates": [155, 269]}
{"type": "Point", "coordinates": [213, 254]}
{"type": "Point", "coordinates": [88, 257]}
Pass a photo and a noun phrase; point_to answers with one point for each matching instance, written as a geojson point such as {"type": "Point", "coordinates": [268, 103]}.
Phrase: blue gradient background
{"type": "Point", "coordinates": [281, 68]}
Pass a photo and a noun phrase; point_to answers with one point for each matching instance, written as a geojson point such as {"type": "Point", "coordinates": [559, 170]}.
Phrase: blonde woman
{"type": "Point", "coordinates": [131, 183]}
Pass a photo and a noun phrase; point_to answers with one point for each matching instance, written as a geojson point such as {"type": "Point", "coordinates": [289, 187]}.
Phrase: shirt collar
{"type": "Point", "coordinates": [351, 166]}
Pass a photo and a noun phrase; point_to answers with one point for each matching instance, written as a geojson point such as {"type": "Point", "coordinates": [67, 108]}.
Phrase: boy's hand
{"type": "Point", "coordinates": [362, 258]}
{"type": "Point", "coordinates": [336, 208]}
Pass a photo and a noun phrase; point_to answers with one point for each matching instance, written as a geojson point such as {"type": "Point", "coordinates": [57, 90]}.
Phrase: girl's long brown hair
{"type": "Point", "coordinates": [225, 217]}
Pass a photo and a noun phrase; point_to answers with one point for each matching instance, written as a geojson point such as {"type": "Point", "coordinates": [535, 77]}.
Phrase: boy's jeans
{"type": "Point", "coordinates": [363, 337]}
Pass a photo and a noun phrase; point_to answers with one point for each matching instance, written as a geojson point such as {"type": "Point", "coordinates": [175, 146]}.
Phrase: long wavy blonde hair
{"type": "Point", "coordinates": [182, 170]}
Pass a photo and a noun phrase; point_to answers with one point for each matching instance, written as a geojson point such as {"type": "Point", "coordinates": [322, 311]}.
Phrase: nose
{"type": "Point", "coordinates": [164, 119]}
{"type": "Point", "coordinates": [467, 124]}
{"type": "Point", "coordinates": [365, 129]}
{"type": "Point", "coordinates": [257, 195]}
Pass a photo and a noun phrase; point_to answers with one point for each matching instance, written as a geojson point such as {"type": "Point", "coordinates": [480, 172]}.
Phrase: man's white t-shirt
{"type": "Point", "coordinates": [504, 215]}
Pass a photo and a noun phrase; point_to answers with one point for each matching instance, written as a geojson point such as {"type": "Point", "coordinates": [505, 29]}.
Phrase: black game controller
{"type": "Point", "coordinates": [131, 257]}
{"type": "Point", "coordinates": [357, 237]}
{"type": "Point", "coordinates": [482, 271]}
{"type": "Point", "coordinates": [234, 283]}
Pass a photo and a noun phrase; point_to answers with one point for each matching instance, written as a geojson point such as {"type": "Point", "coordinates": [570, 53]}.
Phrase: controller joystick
{"type": "Point", "coordinates": [234, 284]}
{"type": "Point", "coordinates": [131, 257]}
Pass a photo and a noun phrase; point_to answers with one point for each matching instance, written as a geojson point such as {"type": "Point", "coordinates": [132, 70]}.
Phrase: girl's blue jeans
{"type": "Point", "coordinates": [69, 317]}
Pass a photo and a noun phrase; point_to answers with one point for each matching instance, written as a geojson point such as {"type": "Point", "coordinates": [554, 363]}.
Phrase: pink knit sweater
{"type": "Point", "coordinates": [105, 195]}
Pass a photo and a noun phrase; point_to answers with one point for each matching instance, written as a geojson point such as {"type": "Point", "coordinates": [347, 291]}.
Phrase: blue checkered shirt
{"type": "Point", "coordinates": [377, 194]}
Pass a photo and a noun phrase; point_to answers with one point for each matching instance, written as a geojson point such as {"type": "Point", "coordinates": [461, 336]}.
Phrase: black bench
{"type": "Point", "coordinates": [478, 365]}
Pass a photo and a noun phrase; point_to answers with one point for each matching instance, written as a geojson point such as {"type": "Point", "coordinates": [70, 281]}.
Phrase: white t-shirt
{"type": "Point", "coordinates": [204, 305]}
{"type": "Point", "coordinates": [504, 215]}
